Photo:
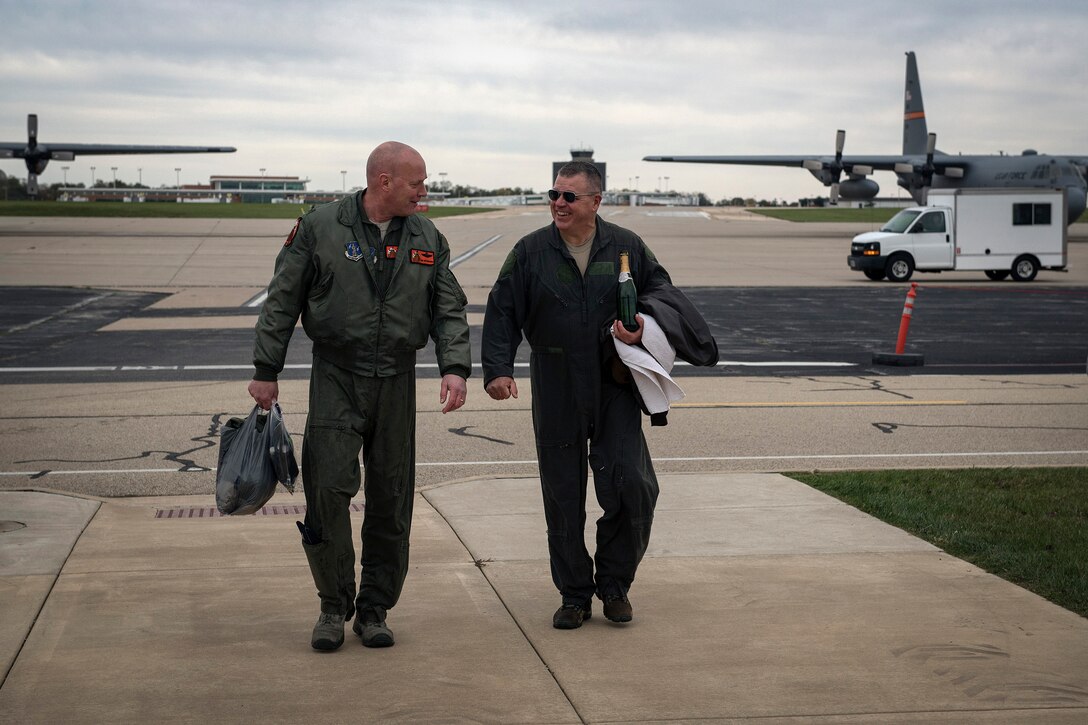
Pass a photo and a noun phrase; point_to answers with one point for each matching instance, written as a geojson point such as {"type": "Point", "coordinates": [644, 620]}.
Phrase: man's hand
{"type": "Point", "coordinates": [264, 393]}
{"type": "Point", "coordinates": [631, 338]}
{"type": "Point", "coordinates": [453, 392]}
{"type": "Point", "coordinates": [502, 388]}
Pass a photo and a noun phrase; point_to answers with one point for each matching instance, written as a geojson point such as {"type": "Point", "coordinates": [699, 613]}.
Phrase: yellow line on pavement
{"type": "Point", "coordinates": [819, 404]}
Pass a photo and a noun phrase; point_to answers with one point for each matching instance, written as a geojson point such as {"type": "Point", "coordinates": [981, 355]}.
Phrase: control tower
{"type": "Point", "coordinates": [581, 154]}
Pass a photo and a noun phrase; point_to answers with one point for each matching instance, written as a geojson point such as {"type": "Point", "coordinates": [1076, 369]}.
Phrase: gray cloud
{"type": "Point", "coordinates": [492, 91]}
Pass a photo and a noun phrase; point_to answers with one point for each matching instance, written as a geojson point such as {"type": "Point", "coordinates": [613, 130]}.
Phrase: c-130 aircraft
{"type": "Point", "coordinates": [38, 155]}
{"type": "Point", "coordinates": [922, 167]}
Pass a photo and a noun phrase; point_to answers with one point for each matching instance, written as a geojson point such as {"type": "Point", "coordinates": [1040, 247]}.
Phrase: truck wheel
{"type": "Point", "coordinates": [997, 274]}
{"type": "Point", "coordinates": [1025, 268]}
{"type": "Point", "coordinates": [875, 274]}
{"type": "Point", "coordinates": [899, 268]}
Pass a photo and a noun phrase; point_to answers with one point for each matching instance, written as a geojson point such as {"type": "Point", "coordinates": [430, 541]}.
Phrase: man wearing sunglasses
{"type": "Point", "coordinates": [558, 287]}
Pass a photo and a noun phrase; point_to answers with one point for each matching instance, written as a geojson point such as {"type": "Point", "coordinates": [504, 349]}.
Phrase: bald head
{"type": "Point", "coordinates": [395, 176]}
{"type": "Point", "coordinates": [388, 158]}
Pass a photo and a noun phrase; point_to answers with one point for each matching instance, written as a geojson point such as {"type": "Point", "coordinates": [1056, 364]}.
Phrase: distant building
{"type": "Point", "coordinates": [583, 154]}
{"type": "Point", "coordinates": [266, 189]}
{"type": "Point", "coordinates": [219, 189]}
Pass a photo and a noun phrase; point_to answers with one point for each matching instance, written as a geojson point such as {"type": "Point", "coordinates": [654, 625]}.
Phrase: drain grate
{"type": "Point", "coordinates": [211, 512]}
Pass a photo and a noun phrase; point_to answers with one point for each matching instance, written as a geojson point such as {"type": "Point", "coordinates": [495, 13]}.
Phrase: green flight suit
{"type": "Point", "coordinates": [368, 305]}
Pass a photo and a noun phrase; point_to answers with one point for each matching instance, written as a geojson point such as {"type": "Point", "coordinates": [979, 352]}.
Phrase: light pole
{"type": "Point", "coordinates": [140, 175]}
{"type": "Point", "coordinates": [114, 170]}
{"type": "Point", "coordinates": [666, 185]}
{"type": "Point", "coordinates": [636, 183]}
{"type": "Point", "coordinates": [92, 177]}
{"type": "Point", "coordinates": [177, 172]}
{"type": "Point", "coordinates": [65, 170]}
{"type": "Point", "coordinates": [442, 183]}
{"type": "Point", "coordinates": [343, 180]}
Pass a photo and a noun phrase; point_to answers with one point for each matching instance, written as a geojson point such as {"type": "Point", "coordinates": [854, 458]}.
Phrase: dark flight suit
{"type": "Point", "coordinates": [580, 411]}
{"type": "Point", "coordinates": [368, 306]}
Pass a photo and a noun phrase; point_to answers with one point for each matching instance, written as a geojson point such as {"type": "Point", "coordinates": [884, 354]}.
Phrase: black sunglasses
{"type": "Point", "coordinates": [568, 196]}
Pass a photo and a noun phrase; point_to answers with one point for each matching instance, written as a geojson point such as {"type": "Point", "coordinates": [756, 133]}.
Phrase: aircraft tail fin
{"type": "Point", "coordinates": [915, 132]}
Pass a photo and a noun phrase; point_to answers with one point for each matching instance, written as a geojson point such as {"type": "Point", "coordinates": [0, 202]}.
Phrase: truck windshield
{"type": "Point", "coordinates": [900, 221]}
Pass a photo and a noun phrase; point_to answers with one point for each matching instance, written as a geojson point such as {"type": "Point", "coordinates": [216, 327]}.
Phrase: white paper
{"type": "Point", "coordinates": [650, 365]}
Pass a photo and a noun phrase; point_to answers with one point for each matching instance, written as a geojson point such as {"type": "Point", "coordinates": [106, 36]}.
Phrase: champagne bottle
{"type": "Point", "coordinates": [627, 295]}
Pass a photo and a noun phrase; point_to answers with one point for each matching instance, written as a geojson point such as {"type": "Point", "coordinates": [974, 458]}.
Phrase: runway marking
{"type": "Point", "coordinates": [475, 250]}
{"type": "Point", "coordinates": [307, 366]}
{"type": "Point", "coordinates": [658, 459]}
{"type": "Point", "coordinates": [256, 300]}
{"type": "Point", "coordinates": [259, 299]}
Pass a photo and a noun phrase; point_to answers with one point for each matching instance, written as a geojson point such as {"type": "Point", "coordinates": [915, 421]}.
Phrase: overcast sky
{"type": "Point", "coordinates": [491, 92]}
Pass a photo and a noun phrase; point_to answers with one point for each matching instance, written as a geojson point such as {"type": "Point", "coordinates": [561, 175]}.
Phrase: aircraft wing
{"type": "Point", "coordinates": [879, 163]}
{"type": "Point", "coordinates": [88, 149]}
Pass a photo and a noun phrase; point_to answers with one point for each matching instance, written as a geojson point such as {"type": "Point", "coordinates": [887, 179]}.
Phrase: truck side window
{"type": "Point", "coordinates": [931, 222]}
{"type": "Point", "coordinates": [1021, 214]}
{"type": "Point", "coordinates": [1024, 214]}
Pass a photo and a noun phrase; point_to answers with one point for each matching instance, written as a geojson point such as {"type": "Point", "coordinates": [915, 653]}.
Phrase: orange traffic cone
{"type": "Point", "coordinates": [899, 357]}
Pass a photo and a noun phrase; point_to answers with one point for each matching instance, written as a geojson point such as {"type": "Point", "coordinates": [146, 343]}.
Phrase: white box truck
{"type": "Point", "coordinates": [996, 231]}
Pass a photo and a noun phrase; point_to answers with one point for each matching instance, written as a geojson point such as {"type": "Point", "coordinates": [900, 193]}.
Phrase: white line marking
{"type": "Point", "coordinates": [419, 366]}
{"type": "Point", "coordinates": [475, 250]}
{"type": "Point", "coordinates": [659, 459]}
{"type": "Point", "coordinates": [257, 300]}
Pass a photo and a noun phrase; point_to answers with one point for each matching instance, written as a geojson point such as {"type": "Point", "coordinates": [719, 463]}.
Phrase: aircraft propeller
{"type": "Point", "coordinates": [829, 172]}
{"type": "Point", "coordinates": [922, 175]}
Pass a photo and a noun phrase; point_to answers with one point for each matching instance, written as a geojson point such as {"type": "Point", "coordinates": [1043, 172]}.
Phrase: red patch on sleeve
{"type": "Point", "coordinates": [294, 231]}
{"type": "Point", "coordinates": [422, 256]}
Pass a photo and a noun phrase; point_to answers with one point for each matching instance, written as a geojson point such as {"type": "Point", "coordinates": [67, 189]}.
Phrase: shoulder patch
{"type": "Point", "coordinates": [508, 265]}
{"type": "Point", "coordinates": [294, 231]}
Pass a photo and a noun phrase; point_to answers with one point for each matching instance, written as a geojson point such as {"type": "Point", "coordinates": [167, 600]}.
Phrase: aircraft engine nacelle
{"type": "Point", "coordinates": [36, 164]}
{"type": "Point", "coordinates": [858, 189]}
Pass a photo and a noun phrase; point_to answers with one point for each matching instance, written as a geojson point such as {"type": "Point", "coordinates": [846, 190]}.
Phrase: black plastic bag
{"type": "Point", "coordinates": [248, 474]}
{"type": "Point", "coordinates": [281, 450]}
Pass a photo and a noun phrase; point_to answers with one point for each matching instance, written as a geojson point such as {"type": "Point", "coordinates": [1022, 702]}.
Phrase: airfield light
{"type": "Point", "coordinates": [65, 170]}
{"type": "Point", "coordinates": [343, 180]}
{"type": "Point", "coordinates": [114, 170]}
{"type": "Point", "coordinates": [140, 175]}
{"type": "Point", "coordinates": [177, 171]}
{"type": "Point", "coordinates": [636, 183]}
{"type": "Point", "coordinates": [666, 185]}
{"type": "Point", "coordinates": [92, 177]}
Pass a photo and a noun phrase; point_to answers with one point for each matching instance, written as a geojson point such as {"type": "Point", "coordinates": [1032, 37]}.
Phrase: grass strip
{"type": "Point", "coordinates": [1026, 525]}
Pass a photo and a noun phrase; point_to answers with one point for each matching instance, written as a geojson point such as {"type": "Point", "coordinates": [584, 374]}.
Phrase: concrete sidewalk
{"type": "Point", "coordinates": [760, 598]}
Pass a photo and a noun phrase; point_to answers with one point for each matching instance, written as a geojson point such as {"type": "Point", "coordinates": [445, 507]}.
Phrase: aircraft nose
{"type": "Point", "coordinates": [1076, 198]}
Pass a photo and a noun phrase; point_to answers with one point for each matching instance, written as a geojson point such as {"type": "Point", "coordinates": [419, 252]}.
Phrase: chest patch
{"type": "Point", "coordinates": [604, 268]}
{"type": "Point", "coordinates": [566, 274]}
{"type": "Point", "coordinates": [391, 251]}
{"type": "Point", "coordinates": [422, 256]}
{"type": "Point", "coordinates": [353, 251]}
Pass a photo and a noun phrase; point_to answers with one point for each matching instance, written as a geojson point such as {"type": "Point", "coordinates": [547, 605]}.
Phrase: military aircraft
{"type": "Point", "coordinates": [38, 155]}
{"type": "Point", "coordinates": [921, 166]}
